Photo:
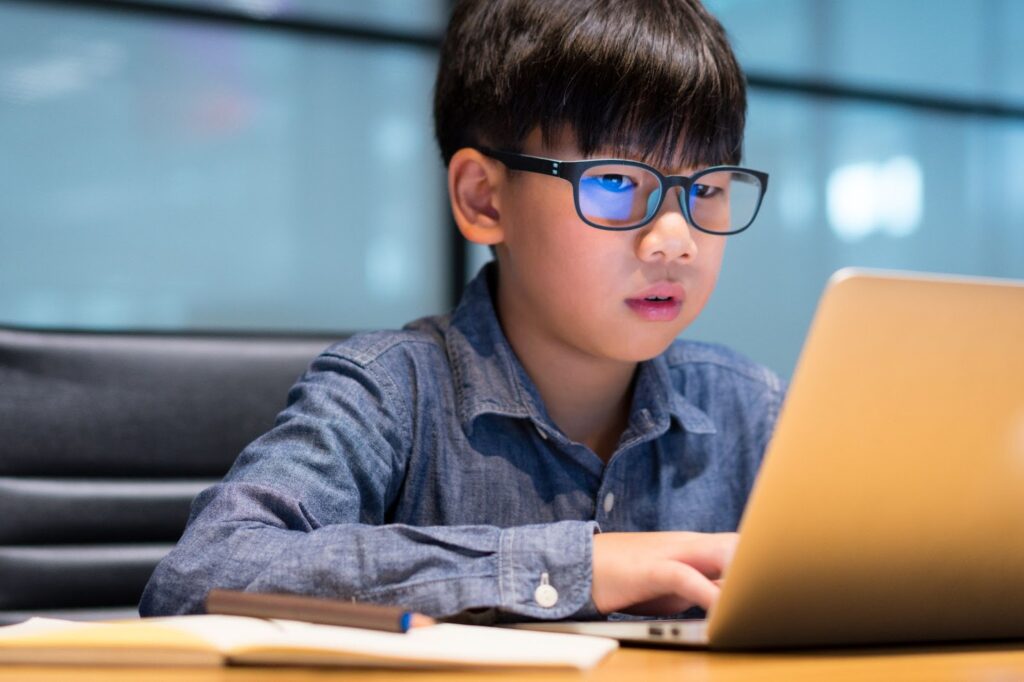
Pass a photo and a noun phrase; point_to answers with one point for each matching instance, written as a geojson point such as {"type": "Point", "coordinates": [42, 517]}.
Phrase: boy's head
{"type": "Point", "coordinates": [635, 77]}
{"type": "Point", "coordinates": [643, 80]}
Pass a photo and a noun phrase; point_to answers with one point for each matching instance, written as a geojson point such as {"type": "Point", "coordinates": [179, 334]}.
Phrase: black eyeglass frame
{"type": "Point", "coordinates": [574, 170]}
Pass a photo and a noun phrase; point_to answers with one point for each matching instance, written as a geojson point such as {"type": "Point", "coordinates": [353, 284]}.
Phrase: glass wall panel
{"type": "Point", "coordinates": [862, 185]}
{"type": "Point", "coordinates": [173, 174]}
{"type": "Point", "coordinates": [164, 173]}
{"type": "Point", "coordinates": [421, 16]}
{"type": "Point", "coordinates": [961, 48]}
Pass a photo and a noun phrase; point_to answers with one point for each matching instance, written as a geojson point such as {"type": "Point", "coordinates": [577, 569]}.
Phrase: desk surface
{"type": "Point", "coordinates": [993, 663]}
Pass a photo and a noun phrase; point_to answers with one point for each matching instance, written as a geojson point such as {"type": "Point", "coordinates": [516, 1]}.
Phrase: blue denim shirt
{"type": "Point", "coordinates": [420, 467]}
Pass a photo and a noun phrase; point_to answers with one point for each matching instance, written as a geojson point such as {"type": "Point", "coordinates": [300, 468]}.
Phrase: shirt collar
{"type": "Point", "coordinates": [656, 397]}
{"type": "Point", "coordinates": [489, 379]}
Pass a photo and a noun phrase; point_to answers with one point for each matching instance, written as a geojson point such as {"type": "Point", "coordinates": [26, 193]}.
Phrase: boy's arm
{"type": "Point", "coordinates": [251, 538]}
{"type": "Point", "coordinates": [303, 511]}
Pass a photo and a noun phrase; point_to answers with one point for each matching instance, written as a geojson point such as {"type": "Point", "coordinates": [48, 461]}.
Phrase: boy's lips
{"type": "Point", "coordinates": [659, 303]}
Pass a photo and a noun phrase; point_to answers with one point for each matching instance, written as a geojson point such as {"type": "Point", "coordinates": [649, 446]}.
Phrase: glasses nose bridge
{"type": "Point", "coordinates": [667, 183]}
{"type": "Point", "coordinates": [681, 181]}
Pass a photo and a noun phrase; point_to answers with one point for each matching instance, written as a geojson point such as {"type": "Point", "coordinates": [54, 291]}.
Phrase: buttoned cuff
{"type": "Point", "coordinates": [545, 571]}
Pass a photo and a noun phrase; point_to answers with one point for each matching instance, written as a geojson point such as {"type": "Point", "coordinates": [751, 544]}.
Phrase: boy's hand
{"type": "Point", "coordinates": [659, 574]}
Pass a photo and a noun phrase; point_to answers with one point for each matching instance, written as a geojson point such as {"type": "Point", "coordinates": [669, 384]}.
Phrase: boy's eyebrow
{"type": "Point", "coordinates": [613, 149]}
{"type": "Point", "coordinates": [653, 158]}
{"type": "Point", "coordinates": [678, 167]}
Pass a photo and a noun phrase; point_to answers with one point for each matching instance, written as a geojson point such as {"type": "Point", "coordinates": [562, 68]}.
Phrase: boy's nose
{"type": "Point", "coordinates": [668, 236]}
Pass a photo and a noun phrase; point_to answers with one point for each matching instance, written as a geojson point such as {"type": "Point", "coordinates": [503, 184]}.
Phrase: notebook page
{"type": "Point", "coordinates": [225, 633]}
{"type": "Point", "coordinates": [127, 642]}
{"type": "Point", "coordinates": [443, 644]}
{"type": "Point", "coordinates": [36, 626]}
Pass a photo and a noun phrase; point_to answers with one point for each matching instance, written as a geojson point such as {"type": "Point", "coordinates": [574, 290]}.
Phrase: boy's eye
{"type": "Point", "coordinates": [612, 182]}
{"type": "Point", "coordinates": [706, 191]}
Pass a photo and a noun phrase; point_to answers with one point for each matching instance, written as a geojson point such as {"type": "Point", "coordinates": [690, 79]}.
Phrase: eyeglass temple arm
{"type": "Point", "coordinates": [522, 162]}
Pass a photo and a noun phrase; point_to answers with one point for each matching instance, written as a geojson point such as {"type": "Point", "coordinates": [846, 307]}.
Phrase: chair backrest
{"type": "Point", "coordinates": [104, 441]}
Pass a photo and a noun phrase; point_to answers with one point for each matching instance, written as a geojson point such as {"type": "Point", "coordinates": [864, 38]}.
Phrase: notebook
{"type": "Point", "coordinates": [208, 640]}
{"type": "Point", "coordinates": [890, 504]}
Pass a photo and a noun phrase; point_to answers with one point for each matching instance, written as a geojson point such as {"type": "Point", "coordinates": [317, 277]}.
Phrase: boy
{"type": "Point", "coordinates": [548, 450]}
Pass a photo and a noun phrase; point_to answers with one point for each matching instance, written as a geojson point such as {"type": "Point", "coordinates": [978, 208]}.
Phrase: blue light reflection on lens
{"type": "Point", "coordinates": [599, 202]}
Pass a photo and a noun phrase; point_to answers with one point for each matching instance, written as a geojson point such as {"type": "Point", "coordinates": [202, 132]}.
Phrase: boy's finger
{"type": "Point", "coordinates": [691, 585]}
{"type": "Point", "coordinates": [710, 554]}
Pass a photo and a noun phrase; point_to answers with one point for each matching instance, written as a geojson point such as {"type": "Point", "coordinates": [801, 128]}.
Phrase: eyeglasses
{"type": "Point", "coordinates": [618, 194]}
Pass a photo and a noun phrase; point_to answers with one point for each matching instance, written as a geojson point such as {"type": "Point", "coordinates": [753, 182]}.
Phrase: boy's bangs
{"type": "Point", "coordinates": [670, 132]}
{"type": "Point", "coordinates": [655, 88]}
{"type": "Point", "coordinates": [653, 80]}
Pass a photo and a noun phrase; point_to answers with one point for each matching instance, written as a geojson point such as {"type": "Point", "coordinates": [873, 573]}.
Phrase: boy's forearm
{"type": "Point", "coordinates": [238, 543]}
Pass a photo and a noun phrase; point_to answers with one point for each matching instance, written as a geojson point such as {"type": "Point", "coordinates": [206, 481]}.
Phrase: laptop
{"type": "Point", "coordinates": [890, 504]}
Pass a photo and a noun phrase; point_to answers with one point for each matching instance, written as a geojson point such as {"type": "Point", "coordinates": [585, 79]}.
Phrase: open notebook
{"type": "Point", "coordinates": [234, 640]}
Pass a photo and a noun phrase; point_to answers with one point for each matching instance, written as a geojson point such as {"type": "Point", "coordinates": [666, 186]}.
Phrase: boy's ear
{"type": "Point", "coordinates": [473, 183]}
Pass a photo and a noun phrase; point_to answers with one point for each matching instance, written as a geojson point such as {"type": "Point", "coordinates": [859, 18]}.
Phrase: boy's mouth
{"type": "Point", "coordinates": [659, 303]}
{"type": "Point", "coordinates": [655, 309]}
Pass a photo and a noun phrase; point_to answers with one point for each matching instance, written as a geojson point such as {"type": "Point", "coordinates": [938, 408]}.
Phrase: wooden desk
{"type": "Point", "coordinates": [985, 663]}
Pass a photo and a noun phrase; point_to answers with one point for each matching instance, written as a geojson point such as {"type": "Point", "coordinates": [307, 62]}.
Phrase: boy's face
{"type": "Point", "coordinates": [587, 290]}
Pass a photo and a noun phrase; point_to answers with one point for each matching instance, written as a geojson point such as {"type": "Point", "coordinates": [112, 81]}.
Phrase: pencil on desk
{"type": "Point", "coordinates": [313, 610]}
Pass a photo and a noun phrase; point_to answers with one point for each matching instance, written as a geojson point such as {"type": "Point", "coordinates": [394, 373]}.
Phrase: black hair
{"type": "Point", "coordinates": [639, 77]}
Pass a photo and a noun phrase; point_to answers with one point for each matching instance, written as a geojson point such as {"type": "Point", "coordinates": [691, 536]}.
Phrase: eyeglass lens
{"type": "Point", "coordinates": [623, 196]}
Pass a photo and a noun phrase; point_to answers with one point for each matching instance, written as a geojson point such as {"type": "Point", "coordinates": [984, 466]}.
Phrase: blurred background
{"type": "Point", "coordinates": [269, 164]}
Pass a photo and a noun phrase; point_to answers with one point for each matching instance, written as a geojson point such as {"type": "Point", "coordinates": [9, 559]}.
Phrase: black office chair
{"type": "Point", "coordinates": [104, 441]}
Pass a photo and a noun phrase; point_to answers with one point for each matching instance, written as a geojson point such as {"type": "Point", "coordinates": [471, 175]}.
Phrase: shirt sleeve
{"type": "Point", "coordinates": [304, 510]}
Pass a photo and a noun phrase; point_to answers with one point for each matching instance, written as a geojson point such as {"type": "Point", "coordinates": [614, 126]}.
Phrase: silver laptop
{"type": "Point", "coordinates": [890, 505]}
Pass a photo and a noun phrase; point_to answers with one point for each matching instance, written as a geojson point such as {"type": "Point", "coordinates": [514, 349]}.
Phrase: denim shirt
{"type": "Point", "coordinates": [419, 467]}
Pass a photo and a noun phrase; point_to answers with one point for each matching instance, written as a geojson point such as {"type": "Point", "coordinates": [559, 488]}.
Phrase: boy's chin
{"type": "Point", "coordinates": [643, 349]}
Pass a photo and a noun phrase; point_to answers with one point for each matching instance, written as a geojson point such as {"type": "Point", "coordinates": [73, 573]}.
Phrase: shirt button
{"type": "Point", "coordinates": [545, 595]}
{"type": "Point", "coordinates": [540, 432]}
{"type": "Point", "coordinates": [609, 502]}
